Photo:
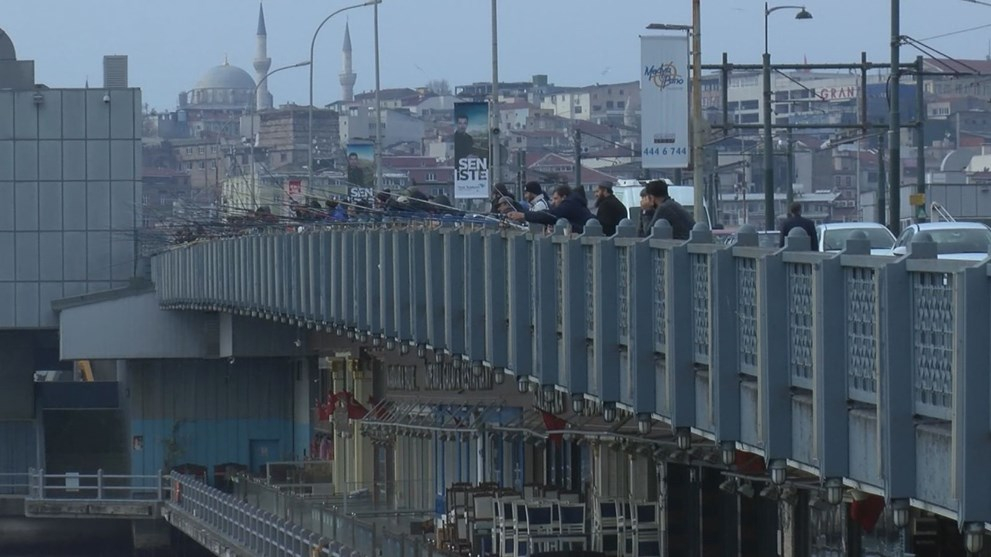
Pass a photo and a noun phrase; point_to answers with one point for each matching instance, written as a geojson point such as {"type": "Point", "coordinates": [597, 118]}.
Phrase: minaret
{"type": "Point", "coordinates": [262, 63]}
{"type": "Point", "coordinates": [348, 76]}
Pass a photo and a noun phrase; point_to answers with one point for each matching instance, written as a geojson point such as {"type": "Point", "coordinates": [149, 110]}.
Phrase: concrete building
{"type": "Point", "coordinates": [115, 71]}
{"type": "Point", "coordinates": [70, 212]}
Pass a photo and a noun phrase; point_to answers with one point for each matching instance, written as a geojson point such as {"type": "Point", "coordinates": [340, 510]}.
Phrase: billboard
{"type": "Point", "coordinates": [361, 164]}
{"type": "Point", "coordinates": [471, 150]}
{"type": "Point", "coordinates": [664, 101]}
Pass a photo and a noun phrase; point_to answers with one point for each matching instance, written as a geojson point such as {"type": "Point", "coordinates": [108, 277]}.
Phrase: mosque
{"type": "Point", "coordinates": [214, 106]}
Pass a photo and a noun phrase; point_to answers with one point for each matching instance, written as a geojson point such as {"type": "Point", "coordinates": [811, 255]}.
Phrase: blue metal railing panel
{"type": "Point", "coordinates": [496, 300]}
{"type": "Point", "coordinates": [453, 275]}
{"type": "Point", "coordinates": [933, 342]}
{"type": "Point", "coordinates": [520, 297]}
{"type": "Point", "coordinates": [401, 279]}
{"type": "Point", "coordinates": [862, 294]}
{"type": "Point", "coordinates": [387, 293]}
{"type": "Point", "coordinates": [544, 310]}
{"type": "Point", "coordinates": [800, 304]}
{"type": "Point", "coordinates": [433, 246]}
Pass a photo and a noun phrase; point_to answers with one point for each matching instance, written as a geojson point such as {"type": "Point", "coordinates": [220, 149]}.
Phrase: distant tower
{"type": "Point", "coordinates": [262, 63]}
{"type": "Point", "coordinates": [114, 71]}
{"type": "Point", "coordinates": [348, 76]}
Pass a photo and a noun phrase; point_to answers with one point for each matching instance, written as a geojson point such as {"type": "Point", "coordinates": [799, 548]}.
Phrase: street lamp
{"type": "Point", "coordinates": [254, 109]}
{"type": "Point", "coordinates": [768, 145]}
{"type": "Point", "coordinates": [313, 44]}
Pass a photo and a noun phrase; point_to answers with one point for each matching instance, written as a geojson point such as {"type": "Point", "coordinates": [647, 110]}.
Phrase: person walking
{"type": "Point", "coordinates": [608, 209]}
{"type": "Point", "coordinates": [796, 220]}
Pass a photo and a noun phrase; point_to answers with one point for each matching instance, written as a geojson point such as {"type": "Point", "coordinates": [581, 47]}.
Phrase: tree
{"type": "Point", "coordinates": [439, 86]}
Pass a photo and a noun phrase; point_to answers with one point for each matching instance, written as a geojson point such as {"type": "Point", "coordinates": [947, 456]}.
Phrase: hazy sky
{"type": "Point", "coordinates": [171, 43]}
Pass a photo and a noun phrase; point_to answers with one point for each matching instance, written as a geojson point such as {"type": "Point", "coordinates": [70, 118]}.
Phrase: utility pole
{"type": "Point", "coordinates": [578, 158]}
{"type": "Point", "coordinates": [881, 183]}
{"type": "Point", "coordinates": [920, 142]}
{"type": "Point", "coordinates": [378, 107]}
{"type": "Point", "coordinates": [494, 146]}
{"type": "Point", "coordinates": [790, 196]}
{"type": "Point", "coordinates": [894, 123]}
{"type": "Point", "coordinates": [698, 159]}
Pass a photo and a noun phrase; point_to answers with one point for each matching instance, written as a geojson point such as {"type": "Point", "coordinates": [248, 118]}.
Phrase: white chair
{"type": "Point", "coordinates": [606, 527]}
{"type": "Point", "coordinates": [646, 530]}
{"type": "Point", "coordinates": [542, 530]}
{"type": "Point", "coordinates": [573, 534]}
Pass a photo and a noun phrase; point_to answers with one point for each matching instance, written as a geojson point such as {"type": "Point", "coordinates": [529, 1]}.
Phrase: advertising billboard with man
{"type": "Point", "coordinates": [471, 150]}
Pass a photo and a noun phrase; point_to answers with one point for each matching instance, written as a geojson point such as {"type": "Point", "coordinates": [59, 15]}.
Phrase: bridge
{"type": "Point", "coordinates": [863, 375]}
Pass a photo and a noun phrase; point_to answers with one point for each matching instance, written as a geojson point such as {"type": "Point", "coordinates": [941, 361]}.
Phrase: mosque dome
{"type": "Point", "coordinates": [7, 47]}
{"type": "Point", "coordinates": [225, 76]}
{"type": "Point", "coordinates": [224, 87]}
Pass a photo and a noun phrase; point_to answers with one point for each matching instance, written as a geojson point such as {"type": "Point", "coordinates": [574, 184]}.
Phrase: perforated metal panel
{"type": "Point", "coordinates": [932, 342]}
{"type": "Point", "coordinates": [746, 313]}
{"type": "Point", "coordinates": [800, 311]}
{"type": "Point", "coordinates": [660, 303]}
{"type": "Point", "coordinates": [701, 295]}
{"type": "Point", "coordinates": [861, 331]}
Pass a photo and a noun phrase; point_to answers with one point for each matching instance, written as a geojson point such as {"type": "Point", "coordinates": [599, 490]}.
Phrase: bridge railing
{"type": "Point", "coordinates": [256, 530]}
{"type": "Point", "coordinates": [99, 486]}
{"type": "Point", "coordinates": [854, 366]}
{"type": "Point", "coordinates": [14, 483]}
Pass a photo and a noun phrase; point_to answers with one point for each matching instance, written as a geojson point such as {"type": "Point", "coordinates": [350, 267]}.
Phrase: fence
{"type": "Point", "coordinates": [355, 520]}
{"type": "Point", "coordinates": [98, 486]}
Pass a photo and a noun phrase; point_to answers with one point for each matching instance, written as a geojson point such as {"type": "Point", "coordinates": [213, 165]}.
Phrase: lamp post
{"type": "Point", "coordinates": [253, 113]}
{"type": "Point", "coordinates": [494, 145]}
{"type": "Point", "coordinates": [769, 223]}
{"type": "Point", "coordinates": [378, 106]}
{"type": "Point", "coordinates": [313, 44]}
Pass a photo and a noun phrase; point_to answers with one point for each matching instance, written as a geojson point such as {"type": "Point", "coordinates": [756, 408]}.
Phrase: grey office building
{"type": "Point", "coordinates": [70, 204]}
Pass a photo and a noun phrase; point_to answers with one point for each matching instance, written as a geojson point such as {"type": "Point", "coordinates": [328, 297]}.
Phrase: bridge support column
{"type": "Point", "coordinates": [758, 525]}
{"type": "Point", "coordinates": [720, 519]}
{"type": "Point", "coordinates": [684, 526]}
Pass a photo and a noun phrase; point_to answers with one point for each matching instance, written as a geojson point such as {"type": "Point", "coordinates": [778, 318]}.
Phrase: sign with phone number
{"type": "Point", "coordinates": [664, 151]}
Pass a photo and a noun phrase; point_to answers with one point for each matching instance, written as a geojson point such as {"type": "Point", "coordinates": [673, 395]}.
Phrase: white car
{"type": "Point", "coordinates": [961, 241]}
{"type": "Point", "coordinates": [833, 236]}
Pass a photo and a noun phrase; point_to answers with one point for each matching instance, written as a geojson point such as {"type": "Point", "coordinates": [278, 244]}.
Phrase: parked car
{"type": "Point", "coordinates": [765, 239]}
{"type": "Point", "coordinates": [833, 236]}
{"type": "Point", "coordinates": [962, 241]}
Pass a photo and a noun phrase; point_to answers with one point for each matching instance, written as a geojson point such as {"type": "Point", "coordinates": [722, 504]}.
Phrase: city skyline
{"type": "Point", "coordinates": [593, 50]}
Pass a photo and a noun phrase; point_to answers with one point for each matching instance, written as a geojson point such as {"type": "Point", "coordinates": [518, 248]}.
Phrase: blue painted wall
{"type": "Point", "coordinates": [211, 409]}
{"type": "Point", "coordinates": [18, 446]}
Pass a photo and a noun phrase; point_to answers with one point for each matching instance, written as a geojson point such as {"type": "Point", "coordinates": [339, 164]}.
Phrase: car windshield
{"type": "Point", "coordinates": [961, 240]}
{"type": "Point", "coordinates": [835, 240]}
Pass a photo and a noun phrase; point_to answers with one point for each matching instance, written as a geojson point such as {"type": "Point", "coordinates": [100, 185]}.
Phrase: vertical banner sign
{"type": "Point", "coordinates": [361, 171]}
{"type": "Point", "coordinates": [664, 101]}
{"type": "Point", "coordinates": [471, 150]}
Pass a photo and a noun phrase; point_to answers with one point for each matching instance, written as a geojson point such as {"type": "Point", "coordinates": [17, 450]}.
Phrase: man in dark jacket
{"type": "Point", "coordinates": [608, 210]}
{"type": "Point", "coordinates": [796, 220]}
{"type": "Point", "coordinates": [670, 210]}
{"type": "Point", "coordinates": [564, 205]}
{"type": "Point", "coordinates": [646, 213]}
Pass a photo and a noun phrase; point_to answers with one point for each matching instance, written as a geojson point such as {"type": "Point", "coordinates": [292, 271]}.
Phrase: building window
{"type": "Point", "coordinates": [610, 105]}
{"type": "Point", "coordinates": [578, 109]}
{"type": "Point", "coordinates": [283, 157]}
{"type": "Point", "coordinates": [431, 177]}
{"type": "Point", "coordinates": [621, 104]}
